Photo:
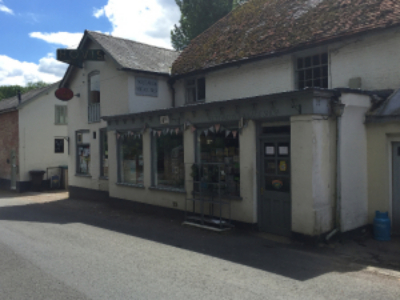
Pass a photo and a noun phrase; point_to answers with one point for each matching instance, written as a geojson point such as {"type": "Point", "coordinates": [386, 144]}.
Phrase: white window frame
{"type": "Point", "coordinates": [310, 54]}
{"type": "Point", "coordinates": [194, 86]}
{"type": "Point", "coordinates": [59, 111]}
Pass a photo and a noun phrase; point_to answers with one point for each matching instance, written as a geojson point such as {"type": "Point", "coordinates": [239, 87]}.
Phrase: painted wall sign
{"type": "Point", "coordinates": [76, 57]}
{"type": "Point", "coordinates": [146, 87]}
{"type": "Point", "coordinates": [64, 94]}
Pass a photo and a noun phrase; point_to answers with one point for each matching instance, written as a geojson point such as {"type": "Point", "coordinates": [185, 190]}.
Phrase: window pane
{"type": "Point", "coordinates": [324, 71]}
{"type": "Point", "coordinates": [94, 88]}
{"type": "Point", "coordinates": [324, 58]}
{"type": "Point", "coordinates": [309, 74]}
{"type": "Point", "coordinates": [131, 160]}
{"type": "Point", "coordinates": [104, 154]}
{"type": "Point", "coordinates": [317, 72]}
{"type": "Point", "coordinates": [307, 62]}
{"type": "Point", "coordinates": [299, 63]}
{"type": "Point", "coordinates": [201, 89]}
{"type": "Point", "coordinates": [316, 60]}
{"type": "Point", "coordinates": [191, 95]}
{"type": "Point", "coordinates": [169, 168]}
{"type": "Point", "coordinates": [222, 148]}
{"type": "Point", "coordinates": [325, 82]}
{"type": "Point", "coordinates": [83, 159]}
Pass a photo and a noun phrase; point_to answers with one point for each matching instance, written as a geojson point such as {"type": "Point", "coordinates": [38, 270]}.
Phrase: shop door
{"type": "Point", "coordinates": [274, 200]}
{"type": "Point", "coordinates": [396, 188]}
{"type": "Point", "coordinates": [13, 170]}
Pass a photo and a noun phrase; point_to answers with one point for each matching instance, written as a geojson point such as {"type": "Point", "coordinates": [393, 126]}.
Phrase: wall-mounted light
{"type": "Point", "coordinates": [77, 95]}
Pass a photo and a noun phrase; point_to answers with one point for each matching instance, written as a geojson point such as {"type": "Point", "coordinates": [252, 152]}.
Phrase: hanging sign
{"type": "Point", "coordinates": [64, 94]}
{"type": "Point", "coordinates": [76, 56]}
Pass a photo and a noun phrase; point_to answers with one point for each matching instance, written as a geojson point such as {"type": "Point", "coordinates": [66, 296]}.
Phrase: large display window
{"type": "Point", "coordinates": [220, 146]}
{"type": "Point", "coordinates": [130, 158]}
{"type": "Point", "coordinates": [168, 164]}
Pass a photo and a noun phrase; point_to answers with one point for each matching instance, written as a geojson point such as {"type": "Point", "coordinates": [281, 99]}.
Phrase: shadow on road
{"type": "Point", "coordinates": [235, 246]}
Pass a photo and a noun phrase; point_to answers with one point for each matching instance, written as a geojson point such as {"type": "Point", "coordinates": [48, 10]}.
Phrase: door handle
{"type": "Point", "coordinates": [262, 191]}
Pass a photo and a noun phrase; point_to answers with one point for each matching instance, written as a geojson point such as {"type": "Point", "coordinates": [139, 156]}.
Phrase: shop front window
{"type": "Point", "coordinates": [168, 164]}
{"type": "Point", "coordinates": [103, 153]}
{"type": "Point", "coordinates": [83, 153]}
{"type": "Point", "coordinates": [130, 159]}
{"type": "Point", "coordinates": [221, 149]}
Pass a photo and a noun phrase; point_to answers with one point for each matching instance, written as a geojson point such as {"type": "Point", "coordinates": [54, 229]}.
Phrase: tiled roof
{"type": "Point", "coordinates": [265, 27]}
{"type": "Point", "coordinates": [12, 102]}
{"type": "Point", "coordinates": [135, 56]}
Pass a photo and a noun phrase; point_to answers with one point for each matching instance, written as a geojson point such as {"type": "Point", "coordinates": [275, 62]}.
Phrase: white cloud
{"type": "Point", "coordinates": [67, 39]}
{"type": "Point", "coordinates": [13, 71]}
{"type": "Point", "coordinates": [97, 13]}
{"type": "Point", "coordinates": [5, 9]}
{"type": "Point", "coordinates": [148, 21]}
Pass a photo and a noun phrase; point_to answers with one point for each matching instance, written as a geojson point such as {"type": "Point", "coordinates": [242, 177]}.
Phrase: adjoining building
{"type": "Point", "coordinates": [33, 136]}
{"type": "Point", "coordinates": [276, 93]}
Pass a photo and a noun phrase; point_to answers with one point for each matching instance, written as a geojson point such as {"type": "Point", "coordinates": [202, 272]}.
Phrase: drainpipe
{"type": "Point", "coordinates": [338, 109]}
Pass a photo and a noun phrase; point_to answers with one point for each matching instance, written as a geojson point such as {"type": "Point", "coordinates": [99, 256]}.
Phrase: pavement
{"type": "Point", "coordinates": [52, 247]}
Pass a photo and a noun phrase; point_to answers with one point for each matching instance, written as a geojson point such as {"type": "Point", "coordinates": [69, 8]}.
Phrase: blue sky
{"type": "Point", "coordinates": [31, 31]}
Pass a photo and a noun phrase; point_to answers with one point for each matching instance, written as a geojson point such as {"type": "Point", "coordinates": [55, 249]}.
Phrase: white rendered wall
{"type": "Point", "coordinates": [373, 57]}
{"type": "Point", "coordinates": [353, 162]}
{"type": "Point", "coordinates": [313, 174]}
{"type": "Point", "coordinates": [145, 103]}
{"type": "Point", "coordinates": [113, 101]}
{"type": "Point", "coordinates": [37, 131]}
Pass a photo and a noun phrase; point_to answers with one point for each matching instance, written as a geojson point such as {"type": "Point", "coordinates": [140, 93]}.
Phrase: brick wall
{"type": "Point", "coordinates": [8, 141]}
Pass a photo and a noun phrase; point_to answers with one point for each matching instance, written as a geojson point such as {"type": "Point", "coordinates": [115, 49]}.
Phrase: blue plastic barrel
{"type": "Point", "coordinates": [382, 226]}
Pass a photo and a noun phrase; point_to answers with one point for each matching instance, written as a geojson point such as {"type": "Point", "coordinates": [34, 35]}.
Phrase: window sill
{"type": "Point", "coordinates": [139, 186]}
{"type": "Point", "coordinates": [83, 175]}
{"type": "Point", "coordinates": [103, 177]}
{"type": "Point", "coordinates": [165, 189]}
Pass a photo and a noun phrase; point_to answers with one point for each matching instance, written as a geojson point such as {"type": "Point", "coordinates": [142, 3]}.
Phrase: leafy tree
{"type": "Point", "coordinates": [7, 91]}
{"type": "Point", "coordinates": [196, 17]}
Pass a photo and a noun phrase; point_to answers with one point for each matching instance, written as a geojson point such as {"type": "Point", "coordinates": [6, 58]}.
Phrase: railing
{"type": "Point", "coordinates": [94, 112]}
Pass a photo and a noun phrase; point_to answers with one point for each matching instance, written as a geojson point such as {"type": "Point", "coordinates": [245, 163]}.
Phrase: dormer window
{"type": "Point", "coordinates": [196, 90]}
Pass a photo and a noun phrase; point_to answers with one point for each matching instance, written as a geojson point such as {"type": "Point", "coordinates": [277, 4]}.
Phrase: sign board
{"type": "Point", "coordinates": [164, 120]}
{"type": "Point", "coordinates": [64, 94]}
{"type": "Point", "coordinates": [76, 57]}
{"type": "Point", "coordinates": [146, 87]}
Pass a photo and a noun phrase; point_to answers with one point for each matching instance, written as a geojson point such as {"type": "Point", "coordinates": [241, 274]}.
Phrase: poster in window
{"type": "Point", "coordinates": [283, 150]}
{"type": "Point", "coordinates": [59, 146]}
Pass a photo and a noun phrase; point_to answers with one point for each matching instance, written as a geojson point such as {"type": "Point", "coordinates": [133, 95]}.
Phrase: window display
{"type": "Point", "coordinates": [168, 165]}
{"type": "Point", "coordinates": [131, 159]}
{"type": "Point", "coordinates": [220, 148]}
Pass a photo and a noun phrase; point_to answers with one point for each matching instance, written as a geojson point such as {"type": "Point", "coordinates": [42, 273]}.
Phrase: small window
{"type": "Point", "coordinates": [168, 165]}
{"type": "Point", "coordinates": [59, 146]}
{"type": "Point", "coordinates": [82, 153]}
{"type": "Point", "coordinates": [61, 112]}
{"type": "Point", "coordinates": [312, 71]}
{"type": "Point", "coordinates": [196, 90]}
{"type": "Point", "coordinates": [103, 153]}
{"type": "Point", "coordinates": [94, 88]}
{"type": "Point", "coordinates": [130, 159]}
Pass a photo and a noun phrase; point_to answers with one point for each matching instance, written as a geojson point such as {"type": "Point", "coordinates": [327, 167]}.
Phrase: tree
{"type": "Point", "coordinates": [196, 17]}
{"type": "Point", "coordinates": [7, 91]}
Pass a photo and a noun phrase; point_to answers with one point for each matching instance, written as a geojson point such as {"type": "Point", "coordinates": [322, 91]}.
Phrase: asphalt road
{"type": "Point", "coordinates": [68, 249]}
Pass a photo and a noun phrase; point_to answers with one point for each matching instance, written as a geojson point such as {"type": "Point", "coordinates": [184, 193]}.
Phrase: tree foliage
{"type": "Point", "coordinates": [196, 17]}
{"type": "Point", "coordinates": [7, 91]}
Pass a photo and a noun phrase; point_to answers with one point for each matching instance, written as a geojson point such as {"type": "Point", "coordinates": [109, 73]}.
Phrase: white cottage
{"type": "Point", "coordinates": [263, 121]}
{"type": "Point", "coordinates": [33, 136]}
